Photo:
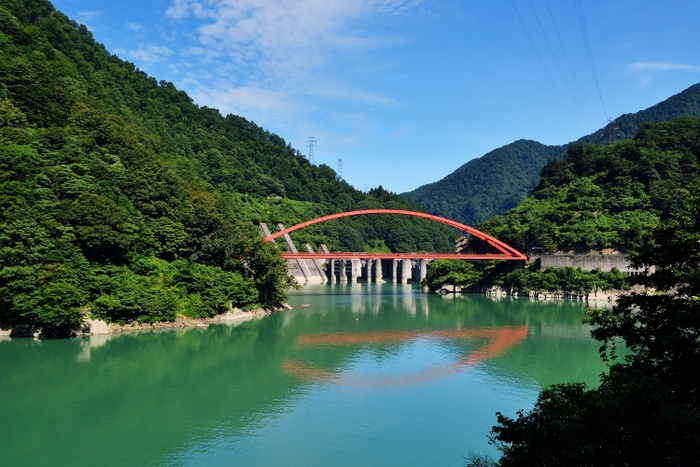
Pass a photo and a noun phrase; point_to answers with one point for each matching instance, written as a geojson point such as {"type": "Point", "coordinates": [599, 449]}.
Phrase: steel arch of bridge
{"type": "Point", "coordinates": [507, 252]}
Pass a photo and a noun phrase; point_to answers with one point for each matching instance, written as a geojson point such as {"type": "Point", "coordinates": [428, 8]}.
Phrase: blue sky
{"type": "Point", "coordinates": [406, 91]}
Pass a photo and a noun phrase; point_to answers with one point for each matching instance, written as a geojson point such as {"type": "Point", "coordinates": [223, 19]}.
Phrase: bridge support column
{"type": "Point", "coordinates": [405, 270]}
{"type": "Point", "coordinates": [331, 271]}
{"type": "Point", "coordinates": [423, 270]}
{"type": "Point", "coordinates": [394, 271]}
{"type": "Point", "coordinates": [343, 277]}
{"type": "Point", "coordinates": [355, 270]}
{"type": "Point", "coordinates": [378, 270]}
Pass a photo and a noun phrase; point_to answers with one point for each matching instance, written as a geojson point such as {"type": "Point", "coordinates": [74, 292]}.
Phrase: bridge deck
{"type": "Point", "coordinates": [418, 255]}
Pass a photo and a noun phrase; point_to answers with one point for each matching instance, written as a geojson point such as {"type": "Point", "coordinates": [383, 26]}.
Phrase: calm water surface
{"type": "Point", "coordinates": [355, 375]}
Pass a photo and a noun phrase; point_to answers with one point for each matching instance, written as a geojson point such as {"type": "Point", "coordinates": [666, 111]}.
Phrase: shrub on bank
{"type": "Point", "coordinates": [522, 279]}
{"type": "Point", "coordinates": [450, 272]}
{"type": "Point", "coordinates": [572, 280]}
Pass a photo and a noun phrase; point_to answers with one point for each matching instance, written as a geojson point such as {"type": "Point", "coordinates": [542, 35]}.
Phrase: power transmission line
{"type": "Point", "coordinates": [589, 51]}
{"type": "Point", "coordinates": [568, 61]}
{"type": "Point", "coordinates": [544, 66]}
{"type": "Point", "coordinates": [583, 94]}
{"type": "Point", "coordinates": [556, 62]}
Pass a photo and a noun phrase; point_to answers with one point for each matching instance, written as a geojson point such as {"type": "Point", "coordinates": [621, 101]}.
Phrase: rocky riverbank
{"type": "Point", "coordinates": [596, 295]}
{"type": "Point", "coordinates": [96, 327]}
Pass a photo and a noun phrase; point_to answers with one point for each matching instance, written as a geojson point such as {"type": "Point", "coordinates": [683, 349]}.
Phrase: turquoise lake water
{"type": "Point", "coordinates": [354, 375]}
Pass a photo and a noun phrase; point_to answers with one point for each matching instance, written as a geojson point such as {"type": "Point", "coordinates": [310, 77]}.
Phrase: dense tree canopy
{"type": "Point", "coordinates": [122, 198]}
{"type": "Point", "coordinates": [489, 185]}
{"type": "Point", "coordinates": [450, 272]}
{"type": "Point", "coordinates": [606, 197]}
{"type": "Point", "coordinates": [647, 408]}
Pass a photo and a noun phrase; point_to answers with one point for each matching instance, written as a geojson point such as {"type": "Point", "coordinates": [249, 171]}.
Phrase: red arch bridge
{"type": "Point", "coordinates": [392, 267]}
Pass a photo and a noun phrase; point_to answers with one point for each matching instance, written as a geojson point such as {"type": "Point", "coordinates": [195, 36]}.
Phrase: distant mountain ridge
{"type": "Point", "coordinates": [501, 179]}
{"type": "Point", "coordinates": [489, 185]}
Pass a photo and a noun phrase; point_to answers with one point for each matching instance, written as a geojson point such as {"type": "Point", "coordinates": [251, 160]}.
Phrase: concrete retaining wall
{"type": "Point", "coordinates": [588, 262]}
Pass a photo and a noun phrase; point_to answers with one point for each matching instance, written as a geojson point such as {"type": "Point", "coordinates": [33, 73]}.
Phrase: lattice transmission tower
{"type": "Point", "coordinates": [311, 143]}
{"type": "Point", "coordinates": [340, 169]}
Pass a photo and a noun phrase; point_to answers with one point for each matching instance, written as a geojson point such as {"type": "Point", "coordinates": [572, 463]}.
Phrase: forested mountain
{"type": "Point", "coordinates": [499, 180]}
{"type": "Point", "coordinates": [121, 196]}
{"type": "Point", "coordinates": [684, 103]}
{"type": "Point", "coordinates": [489, 185]}
{"type": "Point", "coordinates": [613, 196]}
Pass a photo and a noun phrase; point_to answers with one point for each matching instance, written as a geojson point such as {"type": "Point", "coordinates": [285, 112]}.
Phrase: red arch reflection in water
{"type": "Point", "coordinates": [388, 337]}
{"type": "Point", "coordinates": [499, 340]}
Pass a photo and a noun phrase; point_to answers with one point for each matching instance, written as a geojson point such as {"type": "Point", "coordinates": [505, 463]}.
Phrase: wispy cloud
{"type": "Point", "coordinates": [146, 55]}
{"type": "Point", "coordinates": [245, 98]}
{"type": "Point", "coordinates": [89, 15]}
{"type": "Point", "coordinates": [135, 27]}
{"type": "Point", "coordinates": [655, 66]}
{"type": "Point", "coordinates": [270, 53]}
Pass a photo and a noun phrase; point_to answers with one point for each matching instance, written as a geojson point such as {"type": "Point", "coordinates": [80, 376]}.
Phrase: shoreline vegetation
{"type": "Point", "coordinates": [499, 279]}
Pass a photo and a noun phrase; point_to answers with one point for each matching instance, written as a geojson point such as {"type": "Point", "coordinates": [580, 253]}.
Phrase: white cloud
{"type": "Point", "coordinates": [146, 55]}
{"type": "Point", "coordinates": [136, 27]}
{"type": "Point", "coordinates": [652, 66]}
{"type": "Point", "coordinates": [272, 54]}
{"type": "Point", "coordinates": [244, 99]}
{"type": "Point", "coordinates": [89, 15]}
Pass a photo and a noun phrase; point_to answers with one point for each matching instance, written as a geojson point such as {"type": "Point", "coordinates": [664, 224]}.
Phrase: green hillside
{"type": "Point", "coordinates": [120, 196]}
{"type": "Point", "coordinates": [499, 180]}
{"type": "Point", "coordinates": [684, 103]}
{"type": "Point", "coordinates": [613, 196]}
{"type": "Point", "coordinates": [486, 186]}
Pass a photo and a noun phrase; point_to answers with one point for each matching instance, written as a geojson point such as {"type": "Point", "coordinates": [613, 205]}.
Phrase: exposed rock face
{"type": "Point", "coordinates": [97, 326]}
{"type": "Point", "coordinates": [235, 316]}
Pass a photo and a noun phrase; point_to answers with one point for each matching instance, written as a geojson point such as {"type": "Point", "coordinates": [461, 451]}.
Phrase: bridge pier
{"type": "Point", "coordinates": [377, 266]}
{"type": "Point", "coordinates": [405, 270]}
{"type": "Point", "coordinates": [394, 270]}
{"type": "Point", "coordinates": [342, 277]}
{"type": "Point", "coordinates": [331, 271]}
{"type": "Point", "coordinates": [423, 270]}
{"type": "Point", "coordinates": [355, 270]}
